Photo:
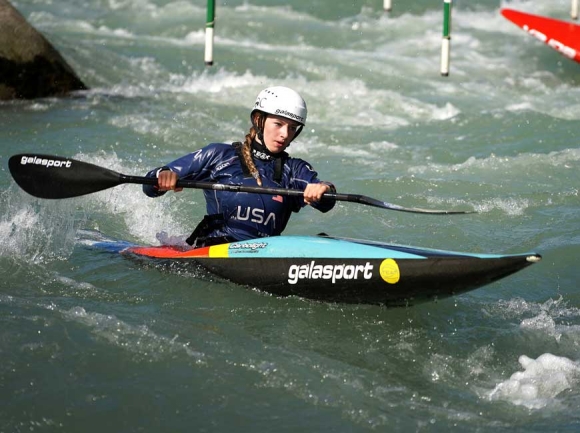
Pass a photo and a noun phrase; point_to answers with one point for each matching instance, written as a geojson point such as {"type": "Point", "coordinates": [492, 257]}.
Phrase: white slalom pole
{"type": "Point", "coordinates": [446, 41]}
{"type": "Point", "coordinates": [209, 25]}
{"type": "Point", "coordinates": [388, 5]}
{"type": "Point", "coordinates": [574, 10]}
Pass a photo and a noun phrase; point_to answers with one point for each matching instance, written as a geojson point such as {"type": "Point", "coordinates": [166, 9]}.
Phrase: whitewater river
{"type": "Point", "coordinates": [94, 342]}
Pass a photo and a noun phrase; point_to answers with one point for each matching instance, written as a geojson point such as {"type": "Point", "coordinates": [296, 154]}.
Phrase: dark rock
{"type": "Point", "coordinates": [30, 67]}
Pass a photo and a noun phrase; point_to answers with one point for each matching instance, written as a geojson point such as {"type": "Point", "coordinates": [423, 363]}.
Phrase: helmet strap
{"type": "Point", "coordinates": [298, 131]}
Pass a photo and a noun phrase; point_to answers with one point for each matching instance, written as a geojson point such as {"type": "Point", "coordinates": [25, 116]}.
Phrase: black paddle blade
{"type": "Point", "coordinates": [54, 177]}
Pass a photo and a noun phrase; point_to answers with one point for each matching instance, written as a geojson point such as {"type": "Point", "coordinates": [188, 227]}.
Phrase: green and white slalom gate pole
{"type": "Point", "coordinates": [446, 42]}
{"type": "Point", "coordinates": [209, 25]}
{"type": "Point", "coordinates": [574, 10]}
{"type": "Point", "coordinates": [387, 5]}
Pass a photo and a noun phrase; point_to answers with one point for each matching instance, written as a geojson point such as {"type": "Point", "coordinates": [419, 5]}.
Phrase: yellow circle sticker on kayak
{"type": "Point", "coordinates": [390, 271]}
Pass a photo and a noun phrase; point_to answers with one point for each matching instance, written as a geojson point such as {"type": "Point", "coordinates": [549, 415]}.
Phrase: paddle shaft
{"type": "Point", "coordinates": [54, 177]}
{"type": "Point", "coordinates": [182, 183]}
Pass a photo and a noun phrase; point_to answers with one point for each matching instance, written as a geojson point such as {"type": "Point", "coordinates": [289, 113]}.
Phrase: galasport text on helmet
{"type": "Point", "coordinates": [281, 101]}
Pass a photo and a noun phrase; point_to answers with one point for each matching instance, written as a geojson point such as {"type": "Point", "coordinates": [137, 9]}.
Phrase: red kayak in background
{"type": "Point", "coordinates": [562, 36]}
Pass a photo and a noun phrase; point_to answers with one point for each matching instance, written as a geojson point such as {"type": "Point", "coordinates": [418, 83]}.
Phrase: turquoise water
{"type": "Point", "coordinates": [90, 341]}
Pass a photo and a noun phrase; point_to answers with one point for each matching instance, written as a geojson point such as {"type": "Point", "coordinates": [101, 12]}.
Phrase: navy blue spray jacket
{"type": "Point", "coordinates": [246, 215]}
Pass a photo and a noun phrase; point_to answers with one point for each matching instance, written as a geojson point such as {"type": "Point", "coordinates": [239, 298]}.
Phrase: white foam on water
{"type": "Point", "coordinates": [217, 83]}
{"type": "Point", "coordinates": [13, 229]}
{"type": "Point", "coordinates": [510, 206]}
{"type": "Point", "coordinates": [138, 339]}
{"type": "Point", "coordinates": [540, 382]}
{"type": "Point", "coordinates": [525, 162]}
{"type": "Point", "coordinates": [142, 216]}
{"type": "Point", "coordinates": [35, 229]}
{"type": "Point", "coordinates": [545, 378]}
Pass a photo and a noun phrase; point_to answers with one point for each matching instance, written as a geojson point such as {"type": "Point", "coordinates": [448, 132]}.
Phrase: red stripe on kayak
{"type": "Point", "coordinates": [168, 252]}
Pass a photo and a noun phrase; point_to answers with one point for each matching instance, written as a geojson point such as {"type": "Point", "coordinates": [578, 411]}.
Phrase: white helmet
{"type": "Point", "coordinates": [281, 101]}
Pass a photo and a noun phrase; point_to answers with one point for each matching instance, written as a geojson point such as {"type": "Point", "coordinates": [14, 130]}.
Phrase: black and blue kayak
{"type": "Point", "coordinates": [315, 267]}
{"type": "Point", "coordinates": [339, 270]}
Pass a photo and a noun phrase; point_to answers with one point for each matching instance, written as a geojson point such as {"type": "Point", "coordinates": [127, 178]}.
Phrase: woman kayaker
{"type": "Point", "coordinates": [278, 116]}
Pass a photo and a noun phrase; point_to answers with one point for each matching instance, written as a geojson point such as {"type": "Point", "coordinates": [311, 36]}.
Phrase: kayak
{"type": "Point", "coordinates": [321, 268]}
{"type": "Point", "coordinates": [340, 270]}
{"type": "Point", "coordinates": [562, 36]}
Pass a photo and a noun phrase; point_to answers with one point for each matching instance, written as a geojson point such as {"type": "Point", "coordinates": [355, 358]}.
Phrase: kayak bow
{"type": "Point", "coordinates": [562, 36]}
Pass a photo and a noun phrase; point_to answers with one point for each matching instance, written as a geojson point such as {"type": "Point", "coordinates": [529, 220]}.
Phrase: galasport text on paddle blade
{"type": "Point", "coordinates": [53, 177]}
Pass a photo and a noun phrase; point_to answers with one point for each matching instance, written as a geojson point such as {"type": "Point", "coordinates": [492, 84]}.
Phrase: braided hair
{"type": "Point", "coordinates": [258, 119]}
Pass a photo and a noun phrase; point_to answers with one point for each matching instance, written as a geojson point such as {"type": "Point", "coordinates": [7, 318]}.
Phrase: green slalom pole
{"type": "Point", "coordinates": [574, 10]}
{"type": "Point", "coordinates": [446, 42]}
{"type": "Point", "coordinates": [209, 27]}
{"type": "Point", "coordinates": [387, 5]}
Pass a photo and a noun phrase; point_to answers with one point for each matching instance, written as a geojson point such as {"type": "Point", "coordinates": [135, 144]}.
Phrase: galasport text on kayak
{"type": "Point", "coordinates": [313, 271]}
